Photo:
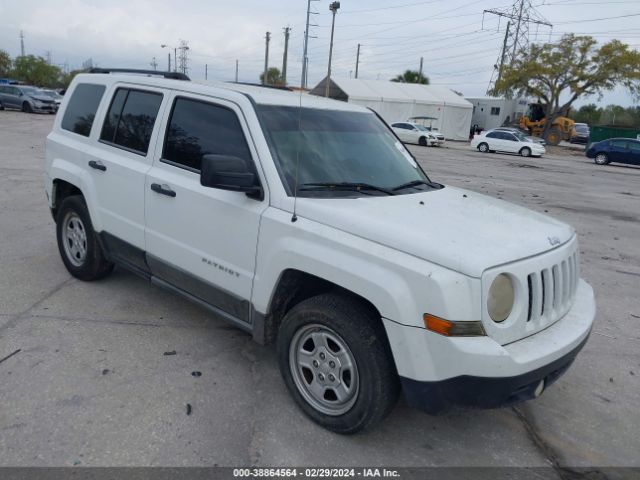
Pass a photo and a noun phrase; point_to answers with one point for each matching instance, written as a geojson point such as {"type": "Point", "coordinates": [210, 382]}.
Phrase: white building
{"type": "Point", "coordinates": [492, 112]}
{"type": "Point", "coordinates": [398, 102]}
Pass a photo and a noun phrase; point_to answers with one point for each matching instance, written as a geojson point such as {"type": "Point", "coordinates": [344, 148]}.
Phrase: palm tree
{"type": "Point", "coordinates": [411, 76]}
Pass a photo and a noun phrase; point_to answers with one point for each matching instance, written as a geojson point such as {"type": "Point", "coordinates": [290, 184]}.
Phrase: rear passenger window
{"type": "Point", "coordinates": [130, 119]}
{"type": "Point", "coordinates": [197, 128]}
{"type": "Point", "coordinates": [81, 109]}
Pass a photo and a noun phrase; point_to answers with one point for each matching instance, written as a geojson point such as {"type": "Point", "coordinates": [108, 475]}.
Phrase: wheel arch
{"type": "Point", "coordinates": [69, 179]}
{"type": "Point", "coordinates": [293, 287]}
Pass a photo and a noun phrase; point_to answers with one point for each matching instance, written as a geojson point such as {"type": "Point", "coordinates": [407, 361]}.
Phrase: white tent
{"type": "Point", "coordinates": [397, 102]}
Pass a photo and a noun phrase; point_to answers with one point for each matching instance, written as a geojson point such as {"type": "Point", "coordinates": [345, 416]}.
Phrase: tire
{"type": "Point", "coordinates": [26, 107]}
{"type": "Point", "coordinates": [483, 147]}
{"type": "Point", "coordinates": [422, 141]}
{"type": "Point", "coordinates": [554, 135]}
{"type": "Point", "coordinates": [601, 159]}
{"type": "Point", "coordinates": [78, 244]}
{"type": "Point", "coordinates": [333, 329]}
{"type": "Point", "coordinates": [525, 152]}
{"type": "Point", "coordinates": [1, 106]}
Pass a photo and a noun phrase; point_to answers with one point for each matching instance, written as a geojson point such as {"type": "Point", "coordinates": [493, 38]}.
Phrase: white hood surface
{"type": "Point", "coordinates": [461, 230]}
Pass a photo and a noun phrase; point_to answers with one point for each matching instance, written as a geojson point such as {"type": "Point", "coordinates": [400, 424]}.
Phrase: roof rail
{"type": "Point", "coordinates": [170, 75]}
{"type": "Point", "coordinates": [275, 87]}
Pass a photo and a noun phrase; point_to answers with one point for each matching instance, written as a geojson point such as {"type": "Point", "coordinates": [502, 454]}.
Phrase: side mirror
{"type": "Point", "coordinates": [229, 173]}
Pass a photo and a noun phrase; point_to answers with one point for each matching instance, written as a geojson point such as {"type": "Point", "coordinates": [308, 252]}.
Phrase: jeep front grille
{"type": "Point", "coordinates": [551, 290]}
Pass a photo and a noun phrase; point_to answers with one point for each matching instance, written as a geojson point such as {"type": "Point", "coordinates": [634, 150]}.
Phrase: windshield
{"type": "Point", "coordinates": [422, 128]}
{"type": "Point", "coordinates": [582, 128]}
{"type": "Point", "coordinates": [330, 147]}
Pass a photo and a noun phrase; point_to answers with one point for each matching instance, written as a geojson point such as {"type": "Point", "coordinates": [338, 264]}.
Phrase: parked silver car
{"type": "Point", "coordinates": [25, 98]}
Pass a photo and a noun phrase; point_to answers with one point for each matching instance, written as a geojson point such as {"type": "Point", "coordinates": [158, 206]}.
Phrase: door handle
{"type": "Point", "coordinates": [163, 190]}
{"type": "Point", "coordinates": [98, 165]}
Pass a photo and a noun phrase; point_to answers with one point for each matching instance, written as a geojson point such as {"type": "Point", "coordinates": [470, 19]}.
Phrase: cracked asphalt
{"type": "Point", "coordinates": [84, 379]}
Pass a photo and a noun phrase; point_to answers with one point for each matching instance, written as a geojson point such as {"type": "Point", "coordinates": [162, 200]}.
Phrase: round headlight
{"type": "Point", "coordinates": [501, 297]}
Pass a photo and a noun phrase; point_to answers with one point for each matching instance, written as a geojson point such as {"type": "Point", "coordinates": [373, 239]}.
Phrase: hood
{"type": "Point", "coordinates": [42, 98]}
{"type": "Point", "coordinates": [461, 230]}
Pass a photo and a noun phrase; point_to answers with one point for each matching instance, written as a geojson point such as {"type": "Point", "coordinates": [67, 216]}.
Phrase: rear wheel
{"type": "Point", "coordinates": [78, 243]}
{"type": "Point", "coordinates": [335, 360]}
{"type": "Point", "coordinates": [422, 141]}
{"type": "Point", "coordinates": [26, 107]}
{"type": "Point", "coordinates": [525, 152]}
{"type": "Point", "coordinates": [554, 136]}
{"type": "Point", "coordinates": [483, 147]}
{"type": "Point", "coordinates": [1, 106]}
{"type": "Point", "coordinates": [601, 158]}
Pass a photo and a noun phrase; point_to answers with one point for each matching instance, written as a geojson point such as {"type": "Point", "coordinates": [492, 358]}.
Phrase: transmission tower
{"type": "Point", "coordinates": [522, 16]}
{"type": "Point", "coordinates": [21, 43]}
{"type": "Point", "coordinates": [183, 59]}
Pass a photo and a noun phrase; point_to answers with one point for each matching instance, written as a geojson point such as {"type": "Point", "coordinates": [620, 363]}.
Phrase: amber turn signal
{"type": "Point", "coordinates": [453, 329]}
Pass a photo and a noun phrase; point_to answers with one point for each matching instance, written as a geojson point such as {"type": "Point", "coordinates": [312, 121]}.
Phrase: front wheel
{"type": "Point", "coordinates": [483, 147]}
{"type": "Point", "coordinates": [336, 362]}
{"type": "Point", "coordinates": [26, 107]}
{"type": "Point", "coordinates": [601, 159]}
{"type": "Point", "coordinates": [525, 152]}
{"type": "Point", "coordinates": [422, 141]}
{"type": "Point", "coordinates": [78, 243]}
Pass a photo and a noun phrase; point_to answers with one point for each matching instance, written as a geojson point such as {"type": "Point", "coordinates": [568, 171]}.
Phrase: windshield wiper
{"type": "Point", "coordinates": [413, 183]}
{"type": "Point", "coordinates": [356, 187]}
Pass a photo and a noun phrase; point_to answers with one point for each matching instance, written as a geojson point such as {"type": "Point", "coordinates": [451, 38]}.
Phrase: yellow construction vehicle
{"type": "Point", "coordinates": [534, 120]}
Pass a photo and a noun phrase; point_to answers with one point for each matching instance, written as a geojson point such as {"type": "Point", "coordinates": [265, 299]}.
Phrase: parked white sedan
{"type": "Point", "coordinates": [409, 132]}
{"type": "Point", "coordinates": [508, 142]}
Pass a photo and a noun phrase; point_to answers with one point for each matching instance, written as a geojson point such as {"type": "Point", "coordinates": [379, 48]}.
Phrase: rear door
{"type": "Point", "coordinates": [202, 240]}
{"type": "Point", "coordinates": [619, 151]}
{"type": "Point", "coordinates": [634, 152]}
{"type": "Point", "coordinates": [495, 141]}
{"type": "Point", "coordinates": [119, 164]}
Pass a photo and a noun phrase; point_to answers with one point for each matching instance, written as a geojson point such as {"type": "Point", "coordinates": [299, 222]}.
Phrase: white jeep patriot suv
{"type": "Point", "coordinates": [306, 222]}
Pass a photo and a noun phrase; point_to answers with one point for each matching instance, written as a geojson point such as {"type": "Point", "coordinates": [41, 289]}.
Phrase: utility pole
{"type": "Point", "coordinates": [21, 43]}
{"type": "Point", "coordinates": [305, 57]}
{"type": "Point", "coordinates": [421, 63]}
{"type": "Point", "coordinates": [266, 57]}
{"type": "Point", "coordinates": [48, 57]}
{"type": "Point", "coordinates": [357, 60]}
{"type": "Point", "coordinates": [522, 14]}
{"type": "Point", "coordinates": [287, 30]}
{"type": "Point", "coordinates": [236, 71]}
{"type": "Point", "coordinates": [334, 8]}
{"type": "Point", "coordinates": [154, 63]}
{"type": "Point", "coordinates": [168, 62]}
{"type": "Point", "coordinates": [206, 71]}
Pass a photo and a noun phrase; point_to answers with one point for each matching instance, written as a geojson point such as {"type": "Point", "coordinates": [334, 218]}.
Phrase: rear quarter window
{"type": "Point", "coordinates": [82, 107]}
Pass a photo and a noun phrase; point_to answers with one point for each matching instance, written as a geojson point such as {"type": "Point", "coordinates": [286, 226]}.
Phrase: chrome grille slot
{"type": "Point", "coordinates": [551, 290]}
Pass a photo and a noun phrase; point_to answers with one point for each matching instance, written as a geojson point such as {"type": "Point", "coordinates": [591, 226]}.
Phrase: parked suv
{"type": "Point", "coordinates": [27, 99]}
{"type": "Point", "coordinates": [305, 222]}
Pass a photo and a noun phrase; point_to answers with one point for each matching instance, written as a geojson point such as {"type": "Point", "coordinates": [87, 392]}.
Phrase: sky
{"type": "Point", "coordinates": [459, 44]}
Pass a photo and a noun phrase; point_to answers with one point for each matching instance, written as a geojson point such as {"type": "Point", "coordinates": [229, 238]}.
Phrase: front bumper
{"type": "Point", "coordinates": [438, 372]}
{"type": "Point", "coordinates": [485, 392]}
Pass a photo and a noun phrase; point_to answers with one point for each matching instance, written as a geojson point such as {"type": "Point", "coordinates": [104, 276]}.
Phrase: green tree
{"type": "Point", "coordinates": [5, 63]}
{"type": "Point", "coordinates": [411, 76]}
{"type": "Point", "coordinates": [589, 113]}
{"type": "Point", "coordinates": [68, 77]}
{"type": "Point", "coordinates": [36, 71]}
{"type": "Point", "coordinates": [573, 67]}
{"type": "Point", "coordinates": [274, 77]}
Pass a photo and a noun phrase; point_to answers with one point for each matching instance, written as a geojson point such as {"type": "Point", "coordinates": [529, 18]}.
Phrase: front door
{"type": "Point", "coordinates": [202, 240]}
